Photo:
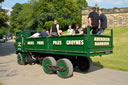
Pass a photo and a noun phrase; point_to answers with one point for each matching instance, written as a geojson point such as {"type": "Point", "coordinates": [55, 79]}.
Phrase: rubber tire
{"type": "Point", "coordinates": [69, 68]}
{"type": "Point", "coordinates": [19, 59]}
{"type": "Point", "coordinates": [87, 62]}
{"type": "Point", "coordinates": [52, 62]}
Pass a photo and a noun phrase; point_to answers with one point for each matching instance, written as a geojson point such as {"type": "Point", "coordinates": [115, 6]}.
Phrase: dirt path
{"type": "Point", "coordinates": [13, 74]}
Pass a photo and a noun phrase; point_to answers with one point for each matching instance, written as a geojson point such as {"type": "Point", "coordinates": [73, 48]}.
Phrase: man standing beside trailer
{"type": "Point", "coordinates": [102, 22]}
{"type": "Point", "coordinates": [93, 19]}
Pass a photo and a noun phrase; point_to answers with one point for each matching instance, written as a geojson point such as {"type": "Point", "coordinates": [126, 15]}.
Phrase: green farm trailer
{"type": "Point", "coordinates": [61, 54]}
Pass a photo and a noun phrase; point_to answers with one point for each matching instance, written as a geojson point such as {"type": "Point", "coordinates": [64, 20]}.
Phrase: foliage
{"type": "Point", "coordinates": [38, 14]}
{"type": "Point", "coordinates": [3, 20]}
{"type": "Point", "coordinates": [26, 17]}
{"type": "Point", "coordinates": [1, 32]}
{"type": "Point", "coordinates": [82, 3]}
{"type": "Point", "coordinates": [1, 1]}
{"type": "Point", "coordinates": [14, 23]}
{"type": "Point", "coordinates": [48, 24]}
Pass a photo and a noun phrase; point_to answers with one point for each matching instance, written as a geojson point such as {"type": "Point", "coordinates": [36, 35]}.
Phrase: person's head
{"type": "Point", "coordinates": [47, 32]}
{"type": "Point", "coordinates": [84, 26]}
{"type": "Point", "coordinates": [100, 11]}
{"type": "Point", "coordinates": [77, 26]}
{"type": "Point", "coordinates": [70, 26]}
{"type": "Point", "coordinates": [44, 30]}
{"type": "Point", "coordinates": [93, 9]}
{"type": "Point", "coordinates": [55, 21]}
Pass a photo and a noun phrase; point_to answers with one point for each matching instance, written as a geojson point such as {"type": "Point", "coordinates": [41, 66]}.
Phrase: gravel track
{"type": "Point", "coordinates": [13, 74]}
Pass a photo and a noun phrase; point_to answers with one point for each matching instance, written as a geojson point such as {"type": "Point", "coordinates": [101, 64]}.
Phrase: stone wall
{"type": "Point", "coordinates": [115, 17]}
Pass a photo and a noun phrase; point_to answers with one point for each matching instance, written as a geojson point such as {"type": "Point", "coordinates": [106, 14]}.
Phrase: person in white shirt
{"type": "Point", "coordinates": [70, 30]}
{"type": "Point", "coordinates": [35, 35]}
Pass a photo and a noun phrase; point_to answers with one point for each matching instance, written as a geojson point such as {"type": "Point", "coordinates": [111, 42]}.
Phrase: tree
{"type": "Point", "coordinates": [25, 17]}
{"type": "Point", "coordinates": [1, 1]}
{"type": "Point", "coordinates": [82, 3]}
{"type": "Point", "coordinates": [38, 14]}
{"type": "Point", "coordinates": [48, 25]}
{"type": "Point", "coordinates": [14, 23]}
{"type": "Point", "coordinates": [3, 20]}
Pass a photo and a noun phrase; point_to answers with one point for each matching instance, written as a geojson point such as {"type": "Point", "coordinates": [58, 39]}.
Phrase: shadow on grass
{"type": "Point", "coordinates": [98, 64]}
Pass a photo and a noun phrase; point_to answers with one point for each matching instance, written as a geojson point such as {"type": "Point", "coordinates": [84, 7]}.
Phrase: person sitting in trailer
{"type": "Point", "coordinates": [54, 31]}
{"type": "Point", "coordinates": [35, 35]}
{"type": "Point", "coordinates": [44, 33]}
{"type": "Point", "coordinates": [84, 30]}
{"type": "Point", "coordinates": [77, 30]}
{"type": "Point", "coordinates": [70, 30]}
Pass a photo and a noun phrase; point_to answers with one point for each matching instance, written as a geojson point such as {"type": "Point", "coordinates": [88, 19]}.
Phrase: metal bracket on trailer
{"type": "Point", "coordinates": [55, 68]}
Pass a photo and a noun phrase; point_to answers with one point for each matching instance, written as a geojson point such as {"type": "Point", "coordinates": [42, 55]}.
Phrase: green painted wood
{"type": "Point", "coordinates": [75, 45]}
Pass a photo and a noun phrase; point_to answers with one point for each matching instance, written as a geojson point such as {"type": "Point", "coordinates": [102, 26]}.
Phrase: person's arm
{"type": "Point", "coordinates": [89, 19]}
{"type": "Point", "coordinates": [58, 30]}
{"type": "Point", "coordinates": [99, 24]}
{"type": "Point", "coordinates": [68, 32]}
{"type": "Point", "coordinates": [72, 31]}
{"type": "Point", "coordinates": [50, 31]}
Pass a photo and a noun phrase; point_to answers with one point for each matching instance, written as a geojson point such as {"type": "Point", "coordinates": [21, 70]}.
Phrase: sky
{"type": "Point", "coordinates": [10, 3]}
{"type": "Point", "coordinates": [108, 3]}
{"type": "Point", "coordinates": [101, 3]}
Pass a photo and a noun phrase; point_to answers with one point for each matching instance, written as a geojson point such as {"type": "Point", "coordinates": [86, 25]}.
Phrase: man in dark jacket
{"type": "Point", "coordinates": [102, 22]}
{"type": "Point", "coordinates": [93, 20]}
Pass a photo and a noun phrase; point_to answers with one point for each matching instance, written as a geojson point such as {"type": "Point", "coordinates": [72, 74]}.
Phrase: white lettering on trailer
{"type": "Point", "coordinates": [19, 44]}
{"type": "Point", "coordinates": [59, 42]}
{"type": "Point", "coordinates": [101, 43]}
{"type": "Point", "coordinates": [40, 42]}
{"type": "Point", "coordinates": [30, 42]}
{"type": "Point", "coordinates": [75, 42]}
{"type": "Point", "coordinates": [101, 39]}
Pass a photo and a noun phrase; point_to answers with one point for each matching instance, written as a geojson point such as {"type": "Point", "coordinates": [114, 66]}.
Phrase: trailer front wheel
{"type": "Point", "coordinates": [48, 61]}
{"type": "Point", "coordinates": [67, 67]}
{"type": "Point", "coordinates": [20, 59]}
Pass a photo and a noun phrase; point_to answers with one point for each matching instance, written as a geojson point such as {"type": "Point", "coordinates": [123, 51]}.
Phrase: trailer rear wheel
{"type": "Point", "coordinates": [84, 64]}
{"type": "Point", "coordinates": [67, 66]}
{"type": "Point", "coordinates": [48, 61]}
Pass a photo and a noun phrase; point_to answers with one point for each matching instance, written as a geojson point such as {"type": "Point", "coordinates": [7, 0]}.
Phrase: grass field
{"type": "Point", "coordinates": [1, 84]}
{"type": "Point", "coordinates": [119, 59]}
